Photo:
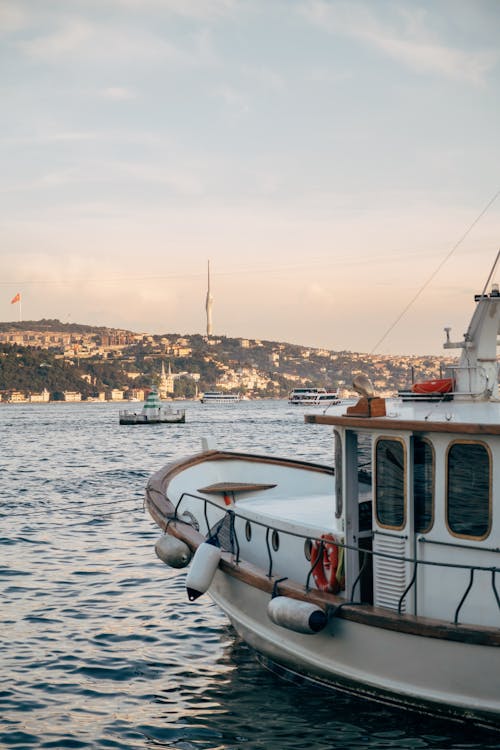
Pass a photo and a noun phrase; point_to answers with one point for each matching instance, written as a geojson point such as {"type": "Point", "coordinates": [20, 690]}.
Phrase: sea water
{"type": "Point", "coordinates": [99, 646]}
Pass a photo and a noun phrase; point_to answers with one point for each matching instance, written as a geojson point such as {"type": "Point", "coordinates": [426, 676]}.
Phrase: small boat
{"type": "Point", "coordinates": [384, 583]}
{"type": "Point", "coordinates": [154, 411]}
{"type": "Point", "coordinates": [313, 397]}
{"type": "Point", "coordinates": [220, 397]}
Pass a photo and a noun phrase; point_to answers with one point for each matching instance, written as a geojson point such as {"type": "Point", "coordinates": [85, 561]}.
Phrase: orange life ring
{"type": "Point", "coordinates": [325, 562]}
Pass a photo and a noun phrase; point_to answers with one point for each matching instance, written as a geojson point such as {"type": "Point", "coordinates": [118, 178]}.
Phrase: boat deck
{"type": "Point", "coordinates": [315, 511]}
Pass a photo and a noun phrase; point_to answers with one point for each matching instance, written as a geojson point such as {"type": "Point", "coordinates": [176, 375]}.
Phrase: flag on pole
{"type": "Point", "coordinates": [15, 299]}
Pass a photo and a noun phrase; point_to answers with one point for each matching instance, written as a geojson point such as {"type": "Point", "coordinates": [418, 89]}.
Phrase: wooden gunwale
{"type": "Point", "coordinates": [161, 479]}
{"type": "Point", "coordinates": [162, 509]}
{"type": "Point", "coordinates": [412, 425]}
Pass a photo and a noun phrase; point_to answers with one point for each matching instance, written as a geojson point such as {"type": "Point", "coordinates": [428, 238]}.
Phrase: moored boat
{"type": "Point", "coordinates": [220, 397]}
{"type": "Point", "coordinates": [154, 411]}
{"type": "Point", "coordinates": [313, 397]}
{"type": "Point", "coordinates": [383, 583]}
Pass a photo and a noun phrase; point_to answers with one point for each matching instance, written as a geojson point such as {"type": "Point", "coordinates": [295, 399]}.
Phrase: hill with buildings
{"type": "Point", "coordinates": [56, 358]}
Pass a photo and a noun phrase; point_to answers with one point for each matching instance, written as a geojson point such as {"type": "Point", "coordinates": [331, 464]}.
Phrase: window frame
{"type": "Point", "coordinates": [402, 442]}
{"type": "Point", "coordinates": [484, 445]}
{"type": "Point", "coordinates": [433, 489]}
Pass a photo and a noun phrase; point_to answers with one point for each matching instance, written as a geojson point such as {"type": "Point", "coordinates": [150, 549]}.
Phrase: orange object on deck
{"type": "Point", "coordinates": [443, 385]}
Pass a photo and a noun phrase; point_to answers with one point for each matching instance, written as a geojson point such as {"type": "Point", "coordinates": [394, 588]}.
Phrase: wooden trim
{"type": "Point", "coordinates": [159, 481]}
{"type": "Point", "coordinates": [401, 442]}
{"type": "Point", "coordinates": [225, 487]}
{"type": "Point", "coordinates": [364, 614]}
{"type": "Point", "coordinates": [412, 425]}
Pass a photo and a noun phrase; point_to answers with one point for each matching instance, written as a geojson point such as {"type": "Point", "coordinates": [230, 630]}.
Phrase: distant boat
{"type": "Point", "coordinates": [153, 412]}
{"type": "Point", "coordinates": [219, 397]}
{"type": "Point", "coordinates": [313, 397]}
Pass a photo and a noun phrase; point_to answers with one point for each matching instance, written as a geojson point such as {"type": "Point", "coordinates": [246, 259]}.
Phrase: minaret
{"type": "Point", "coordinates": [166, 381]}
{"type": "Point", "coordinates": [163, 382]}
{"type": "Point", "coordinates": [208, 306]}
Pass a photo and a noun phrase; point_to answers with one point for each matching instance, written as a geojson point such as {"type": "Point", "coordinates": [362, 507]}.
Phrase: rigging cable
{"type": "Point", "coordinates": [435, 272]}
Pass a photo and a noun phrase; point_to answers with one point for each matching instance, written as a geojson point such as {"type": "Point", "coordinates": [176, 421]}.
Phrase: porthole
{"type": "Point", "coordinates": [308, 549]}
{"type": "Point", "coordinates": [275, 540]}
{"type": "Point", "coordinates": [248, 531]}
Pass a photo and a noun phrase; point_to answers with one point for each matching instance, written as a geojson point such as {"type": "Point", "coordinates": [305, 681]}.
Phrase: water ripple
{"type": "Point", "coordinates": [100, 647]}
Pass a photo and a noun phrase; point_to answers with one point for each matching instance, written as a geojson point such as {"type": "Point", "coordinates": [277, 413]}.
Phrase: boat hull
{"type": "Point", "coordinates": [428, 675]}
{"type": "Point", "coordinates": [152, 420]}
{"type": "Point", "coordinates": [430, 665]}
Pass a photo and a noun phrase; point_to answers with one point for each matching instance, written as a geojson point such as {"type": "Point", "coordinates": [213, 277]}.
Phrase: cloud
{"type": "Point", "coordinates": [12, 17]}
{"type": "Point", "coordinates": [181, 181]}
{"type": "Point", "coordinates": [405, 39]}
{"type": "Point", "coordinates": [65, 40]}
{"type": "Point", "coordinates": [117, 44]}
{"type": "Point", "coordinates": [234, 99]}
{"type": "Point", "coordinates": [118, 93]}
{"type": "Point", "coordinates": [196, 9]}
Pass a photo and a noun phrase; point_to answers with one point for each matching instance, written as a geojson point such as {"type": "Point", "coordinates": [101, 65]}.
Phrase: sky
{"type": "Point", "coordinates": [337, 162]}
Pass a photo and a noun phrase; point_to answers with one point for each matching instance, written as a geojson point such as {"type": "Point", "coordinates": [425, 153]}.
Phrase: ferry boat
{"type": "Point", "coordinates": [385, 583]}
{"type": "Point", "coordinates": [313, 397]}
{"type": "Point", "coordinates": [154, 411]}
{"type": "Point", "coordinates": [220, 397]}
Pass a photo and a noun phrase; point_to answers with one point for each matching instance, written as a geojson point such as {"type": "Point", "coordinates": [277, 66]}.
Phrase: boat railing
{"type": "Point", "coordinates": [229, 516]}
{"type": "Point", "coordinates": [470, 370]}
{"type": "Point", "coordinates": [452, 370]}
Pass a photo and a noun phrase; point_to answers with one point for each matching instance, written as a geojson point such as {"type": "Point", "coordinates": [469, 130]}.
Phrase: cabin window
{"type": "Point", "coordinates": [338, 475]}
{"type": "Point", "coordinates": [275, 540]}
{"type": "Point", "coordinates": [248, 531]}
{"type": "Point", "coordinates": [308, 549]}
{"type": "Point", "coordinates": [390, 483]}
{"type": "Point", "coordinates": [423, 485]}
{"type": "Point", "coordinates": [468, 490]}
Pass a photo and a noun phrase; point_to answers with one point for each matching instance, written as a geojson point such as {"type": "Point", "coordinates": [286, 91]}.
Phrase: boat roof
{"type": "Point", "coordinates": [471, 403]}
{"type": "Point", "coordinates": [447, 416]}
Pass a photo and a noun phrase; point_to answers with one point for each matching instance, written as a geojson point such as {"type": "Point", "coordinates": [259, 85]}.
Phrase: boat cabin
{"type": "Point", "coordinates": [432, 537]}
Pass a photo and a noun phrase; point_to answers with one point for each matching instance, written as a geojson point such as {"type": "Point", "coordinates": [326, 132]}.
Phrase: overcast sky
{"type": "Point", "coordinates": [328, 157]}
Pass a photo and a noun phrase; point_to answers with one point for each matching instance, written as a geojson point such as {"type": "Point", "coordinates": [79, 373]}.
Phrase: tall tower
{"type": "Point", "coordinates": [208, 306]}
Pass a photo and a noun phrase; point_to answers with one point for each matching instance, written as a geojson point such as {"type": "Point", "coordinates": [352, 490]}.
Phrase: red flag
{"type": "Point", "coordinates": [15, 299]}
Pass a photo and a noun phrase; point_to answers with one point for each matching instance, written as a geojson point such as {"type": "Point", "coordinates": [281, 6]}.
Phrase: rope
{"type": "Point", "coordinates": [436, 271]}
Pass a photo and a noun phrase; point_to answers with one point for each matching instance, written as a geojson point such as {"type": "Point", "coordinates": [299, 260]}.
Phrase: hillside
{"type": "Point", "coordinates": [49, 354]}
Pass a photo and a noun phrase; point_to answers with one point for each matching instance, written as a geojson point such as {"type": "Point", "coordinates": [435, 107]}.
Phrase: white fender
{"type": "Point", "coordinates": [202, 570]}
{"type": "Point", "coordinates": [302, 617]}
{"type": "Point", "coordinates": [173, 551]}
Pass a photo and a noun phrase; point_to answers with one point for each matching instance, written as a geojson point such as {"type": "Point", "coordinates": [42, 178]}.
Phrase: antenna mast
{"type": "Point", "coordinates": [208, 306]}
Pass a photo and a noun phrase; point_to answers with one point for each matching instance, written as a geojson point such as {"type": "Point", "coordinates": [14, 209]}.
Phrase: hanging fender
{"type": "Point", "coordinates": [325, 558]}
{"type": "Point", "coordinates": [302, 617]}
{"type": "Point", "coordinates": [173, 552]}
{"type": "Point", "coordinates": [203, 567]}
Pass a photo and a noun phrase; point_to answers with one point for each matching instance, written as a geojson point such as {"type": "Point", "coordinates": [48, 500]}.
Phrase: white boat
{"type": "Point", "coordinates": [220, 397]}
{"type": "Point", "coordinates": [313, 397]}
{"type": "Point", "coordinates": [154, 411]}
{"type": "Point", "coordinates": [384, 584]}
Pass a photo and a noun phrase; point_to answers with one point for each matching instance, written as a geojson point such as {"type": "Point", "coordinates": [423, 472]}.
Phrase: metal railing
{"type": "Point", "coordinates": [230, 514]}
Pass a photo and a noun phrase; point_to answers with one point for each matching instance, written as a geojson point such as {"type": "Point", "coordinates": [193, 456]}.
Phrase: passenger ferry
{"type": "Point", "coordinates": [219, 397]}
{"type": "Point", "coordinates": [384, 583]}
{"type": "Point", "coordinates": [313, 397]}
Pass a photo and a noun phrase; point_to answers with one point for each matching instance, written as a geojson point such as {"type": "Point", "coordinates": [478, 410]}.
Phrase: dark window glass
{"type": "Point", "coordinates": [338, 475]}
{"type": "Point", "coordinates": [423, 484]}
{"type": "Point", "coordinates": [275, 540]}
{"type": "Point", "coordinates": [390, 483]}
{"type": "Point", "coordinates": [468, 501]}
